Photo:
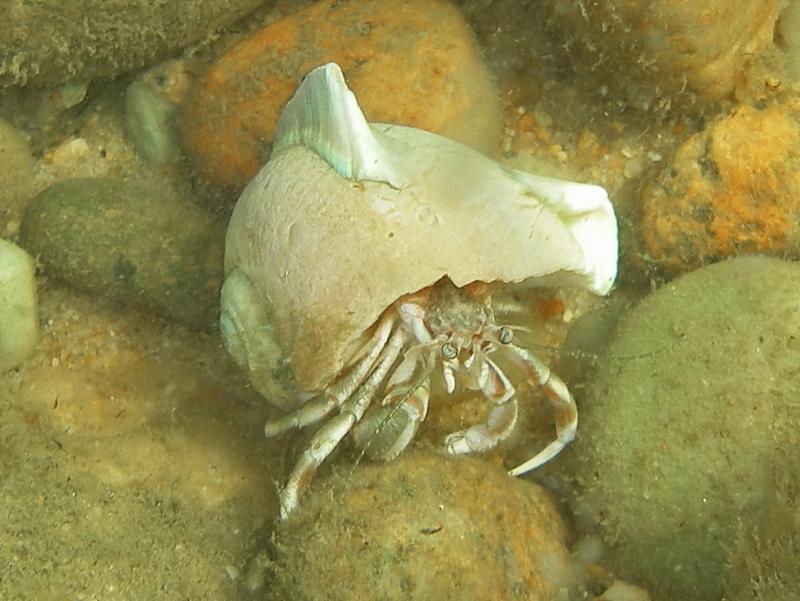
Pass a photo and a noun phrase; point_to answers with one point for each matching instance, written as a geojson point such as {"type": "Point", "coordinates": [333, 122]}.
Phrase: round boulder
{"type": "Point", "coordinates": [424, 526]}
{"type": "Point", "coordinates": [411, 62]}
{"type": "Point", "coordinates": [691, 403]}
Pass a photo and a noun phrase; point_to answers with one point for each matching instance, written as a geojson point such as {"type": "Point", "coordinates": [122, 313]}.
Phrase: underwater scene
{"type": "Point", "coordinates": [341, 300]}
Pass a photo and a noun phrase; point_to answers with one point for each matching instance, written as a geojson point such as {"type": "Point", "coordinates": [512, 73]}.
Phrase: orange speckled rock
{"type": "Point", "coordinates": [412, 62]}
{"type": "Point", "coordinates": [732, 189]}
{"type": "Point", "coordinates": [423, 526]}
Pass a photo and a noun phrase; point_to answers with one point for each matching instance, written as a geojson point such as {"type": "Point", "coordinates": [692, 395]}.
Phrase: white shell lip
{"type": "Point", "coordinates": [348, 216]}
{"type": "Point", "coordinates": [325, 117]}
{"type": "Point", "coordinates": [589, 216]}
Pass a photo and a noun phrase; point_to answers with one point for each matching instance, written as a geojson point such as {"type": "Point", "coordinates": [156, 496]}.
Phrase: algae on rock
{"type": "Point", "coordinates": [47, 42]}
{"type": "Point", "coordinates": [424, 526]}
{"type": "Point", "coordinates": [19, 317]}
{"type": "Point", "coordinates": [130, 244]}
{"type": "Point", "coordinates": [690, 405]}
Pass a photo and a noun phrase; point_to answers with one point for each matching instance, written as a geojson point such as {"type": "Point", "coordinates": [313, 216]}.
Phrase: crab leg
{"type": "Point", "coordinates": [415, 406]}
{"type": "Point", "coordinates": [323, 404]}
{"type": "Point", "coordinates": [566, 412]}
{"type": "Point", "coordinates": [412, 315]}
{"type": "Point", "coordinates": [404, 407]}
{"type": "Point", "coordinates": [449, 374]}
{"type": "Point", "coordinates": [476, 369]}
{"type": "Point", "coordinates": [330, 435]}
{"type": "Point", "coordinates": [405, 380]}
{"type": "Point", "coordinates": [502, 418]}
{"type": "Point", "coordinates": [313, 410]}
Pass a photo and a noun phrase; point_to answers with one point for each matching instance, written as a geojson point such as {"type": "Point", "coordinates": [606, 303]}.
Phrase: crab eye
{"type": "Point", "coordinates": [449, 351]}
{"type": "Point", "coordinates": [505, 335]}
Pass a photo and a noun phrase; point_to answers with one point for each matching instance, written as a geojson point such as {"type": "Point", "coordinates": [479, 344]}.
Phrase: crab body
{"type": "Point", "coordinates": [363, 256]}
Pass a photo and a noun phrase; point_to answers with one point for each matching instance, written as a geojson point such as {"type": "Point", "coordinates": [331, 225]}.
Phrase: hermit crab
{"type": "Point", "coordinates": [361, 262]}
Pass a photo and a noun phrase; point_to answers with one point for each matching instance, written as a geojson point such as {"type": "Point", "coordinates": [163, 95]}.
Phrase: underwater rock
{"type": "Point", "coordinates": [16, 177]}
{"type": "Point", "coordinates": [731, 189]}
{"type": "Point", "coordinates": [133, 462]}
{"type": "Point", "coordinates": [130, 244]}
{"type": "Point", "coordinates": [19, 319]}
{"type": "Point", "coordinates": [424, 526]}
{"type": "Point", "coordinates": [765, 563]}
{"type": "Point", "coordinates": [622, 591]}
{"type": "Point", "coordinates": [690, 405]}
{"type": "Point", "coordinates": [587, 337]}
{"type": "Point", "coordinates": [647, 50]}
{"type": "Point", "coordinates": [788, 27]}
{"type": "Point", "coordinates": [149, 123]}
{"type": "Point", "coordinates": [401, 72]}
{"type": "Point", "coordinates": [49, 42]}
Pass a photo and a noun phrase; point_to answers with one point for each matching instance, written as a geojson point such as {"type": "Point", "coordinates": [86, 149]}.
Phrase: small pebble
{"type": "Point", "coordinates": [232, 573]}
{"type": "Point", "coordinates": [150, 123]}
{"type": "Point", "coordinates": [16, 177]}
{"type": "Point", "coordinates": [70, 153]}
{"type": "Point", "coordinates": [19, 318]}
{"type": "Point", "coordinates": [633, 167]}
{"type": "Point", "coordinates": [622, 591]}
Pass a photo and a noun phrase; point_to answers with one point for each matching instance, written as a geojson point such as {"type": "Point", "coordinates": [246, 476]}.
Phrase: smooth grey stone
{"type": "Point", "coordinates": [19, 318]}
{"type": "Point", "coordinates": [130, 243]}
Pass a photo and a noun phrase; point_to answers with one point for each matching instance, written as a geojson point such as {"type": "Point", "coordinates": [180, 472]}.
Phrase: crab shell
{"type": "Point", "coordinates": [325, 254]}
